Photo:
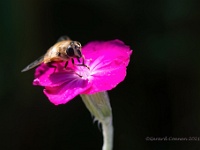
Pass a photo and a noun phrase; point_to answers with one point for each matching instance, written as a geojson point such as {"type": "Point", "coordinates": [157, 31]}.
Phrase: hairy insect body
{"type": "Point", "coordinates": [57, 52]}
{"type": "Point", "coordinates": [63, 50]}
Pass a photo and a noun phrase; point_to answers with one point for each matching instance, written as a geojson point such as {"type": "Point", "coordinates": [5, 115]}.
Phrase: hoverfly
{"type": "Point", "coordinates": [64, 50]}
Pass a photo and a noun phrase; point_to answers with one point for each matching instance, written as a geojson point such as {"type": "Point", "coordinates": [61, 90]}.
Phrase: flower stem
{"type": "Point", "coordinates": [107, 134]}
{"type": "Point", "coordinates": [99, 106]}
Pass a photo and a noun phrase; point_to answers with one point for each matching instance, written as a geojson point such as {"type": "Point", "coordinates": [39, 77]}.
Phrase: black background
{"type": "Point", "coordinates": [160, 96]}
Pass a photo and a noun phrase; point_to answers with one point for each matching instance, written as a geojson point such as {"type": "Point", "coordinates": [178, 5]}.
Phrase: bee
{"type": "Point", "coordinates": [64, 50]}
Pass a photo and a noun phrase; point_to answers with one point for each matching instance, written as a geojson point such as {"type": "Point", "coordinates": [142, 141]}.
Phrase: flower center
{"type": "Point", "coordinates": [83, 72]}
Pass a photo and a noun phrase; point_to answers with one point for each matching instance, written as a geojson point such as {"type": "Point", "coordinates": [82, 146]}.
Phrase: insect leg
{"type": "Point", "coordinates": [66, 64]}
{"type": "Point", "coordinates": [72, 61]}
{"type": "Point", "coordinates": [50, 64]}
{"type": "Point", "coordinates": [79, 60]}
{"type": "Point", "coordinates": [70, 70]}
{"type": "Point", "coordinates": [83, 62]}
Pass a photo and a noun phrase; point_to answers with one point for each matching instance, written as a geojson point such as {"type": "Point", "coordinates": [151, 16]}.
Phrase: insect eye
{"type": "Point", "coordinates": [76, 47]}
{"type": "Point", "coordinates": [70, 51]}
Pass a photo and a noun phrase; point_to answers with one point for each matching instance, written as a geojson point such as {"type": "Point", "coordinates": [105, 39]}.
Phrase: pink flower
{"type": "Point", "coordinates": [107, 62]}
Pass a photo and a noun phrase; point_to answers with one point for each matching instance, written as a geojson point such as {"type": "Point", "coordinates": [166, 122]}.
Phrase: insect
{"type": "Point", "coordinates": [64, 50]}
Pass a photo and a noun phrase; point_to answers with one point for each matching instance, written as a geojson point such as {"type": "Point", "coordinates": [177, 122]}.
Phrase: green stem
{"type": "Point", "coordinates": [107, 134]}
{"type": "Point", "coordinates": [99, 106]}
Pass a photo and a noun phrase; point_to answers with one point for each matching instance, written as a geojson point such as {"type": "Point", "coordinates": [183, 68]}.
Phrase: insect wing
{"type": "Point", "coordinates": [34, 64]}
{"type": "Point", "coordinates": [63, 38]}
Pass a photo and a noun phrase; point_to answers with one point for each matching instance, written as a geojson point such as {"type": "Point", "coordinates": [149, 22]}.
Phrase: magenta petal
{"type": "Point", "coordinates": [107, 79]}
{"type": "Point", "coordinates": [55, 79]}
{"type": "Point", "coordinates": [110, 50]}
{"type": "Point", "coordinates": [47, 76]}
{"type": "Point", "coordinates": [65, 92]}
{"type": "Point", "coordinates": [109, 66]}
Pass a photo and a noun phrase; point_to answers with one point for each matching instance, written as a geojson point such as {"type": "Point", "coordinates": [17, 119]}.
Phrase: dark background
{"type": "Point", "coordinates": [160, 96]}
